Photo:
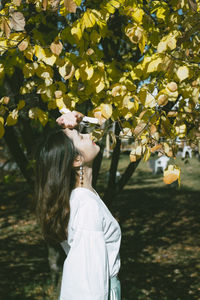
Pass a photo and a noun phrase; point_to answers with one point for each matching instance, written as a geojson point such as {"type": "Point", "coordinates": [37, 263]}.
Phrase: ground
{"type": "Point", "coordinates": [160, 250]}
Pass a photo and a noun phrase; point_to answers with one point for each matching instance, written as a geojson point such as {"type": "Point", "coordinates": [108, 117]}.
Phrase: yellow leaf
{"type": "Point", "coordinates": [137, 15]}
{"type": "Point", "coordinates": [147, 99]}
{"type": "Point", "coordinates": [76, 31]}
{"type": "Point", "coordinates": [113, 140]}
{"type": "Point", "coordinates": [70, 6]}
{"type": "Point", "coordinates": [58, 94]}
{"type": "Point", "coordinates": [28, 70]}
{"type": "Point", "coordinates": [2, 130]}
{"type": "Point", "coordinates": [38, 114]}
{"type": "Point", "coordinates": [77, 74]}
{"type": "Point", "coordinates": [17, 21]}
{"type": "Point", "coordinates": [39, 52]}
{"type": "Point", "coordinates": [142, 42]}
{"type": "Point", "coordinates": [5, 27]}
{"type": "Point", "coordinates": [118, 90]}
{"type": "Point", "coordinates": [29, 52]}
{"type": "Point", "coordinates": [133, 157]}
{"type": "Point", "coordinates": [89, 51]}
{"type": "Point", "coordinates": [1, 120]}
{"type": "Point", "coordinates": [172, 86]}
{"type": "Point", "coordinates": [5, 100]}
{"type": "Point", "coordinates": [153, 65]}
{"type": "Point", "coordinates": [12, 118]}
{"type": "Point", "coordinates": [86, 71]}
{"type": "Point", "coordinates": [27, 88]}
{"type": "Point", "coordinates": [1, 67]}
{"type": "Point", "coordinates": [44, 4]}
{"type": "Point", "coordinates": [156, 148]}
{"type": "Point", "coordinates": [21, 104]}
{"type": "Point", "coordinates": [98, 114]}
{"type": "Point", "coordinates": [171, 174]}
{"type": "Point", "coordinates": [182, 73]}
{"type": "Point", "coordinates": [161, 13]}
{"type": "Point", "coordinates": [147, 154]}
{"type": "Point", "coordinates": [172, 96]}
{"type": "Point", "coordinates": [23, 45]}
{"type": "Point", "coordinates": [139, 128]}
{"type": "Point", "coordinates": [181, 130]}
{"type": "Point", "coordinates": [136, 153]}
{"type": "Point", "coordinates": [97, 134]}
{"type": "Point", "coordinates": [106, 110]}
{"type": "Point", "coordinates": [136, 35]}
{"type": "Point", "coordinates": [166, 148]}
{"type": "Point", "coordinates": [134, 75]}
{"type": "Point", "coordinates": [56, 47]}
{"type": "Point", "coordinates": [138, 150]}
{"type": "Point", "coordinates": [49, 59]}
{"type": "Point", "coordinates": [3, 46]}
{"type": "Point", "coordinates": [130, 103]}
{"type": "Point", "coordinates": [99, 87]}
{"type": "Point", "coordinates": [88, 19]}
{"type": "Point", "coordinates": [59, 103]}
{"type": "Point", "coordinates": [162, 100]}
{"type": "Point", "coordinates": [89, 71]}
{"type": "Point", "coordinates": [67, 70]}
{"type": "Point", "coordinates": [17, 2]}
{"type": "Point", "coordinates": [43, 117]}
{"type": "Point", "coordinates": [150, 101]}
{"type": "Point", "coordinates": [162, 46]}
{"type": "Point", "coordinates": [171, 43]}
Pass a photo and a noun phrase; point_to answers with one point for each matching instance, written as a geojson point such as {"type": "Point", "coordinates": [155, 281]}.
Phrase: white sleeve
{"type": "Point", "coordinates": [86, 269]}
{"type": "Point", "coordinates": [64, 110]}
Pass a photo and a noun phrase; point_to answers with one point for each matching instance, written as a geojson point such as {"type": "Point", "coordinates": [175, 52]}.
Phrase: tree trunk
{"type": "Point", "coordinates": [18, 154]}
{"type": "Point", "coordinates": [127, 175]}
{"type": "Point", "coordinates": [108, 196]}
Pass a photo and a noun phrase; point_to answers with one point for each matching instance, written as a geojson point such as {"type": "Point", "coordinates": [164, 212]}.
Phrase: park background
{"type": "Point", "coordinates": [134, 65]}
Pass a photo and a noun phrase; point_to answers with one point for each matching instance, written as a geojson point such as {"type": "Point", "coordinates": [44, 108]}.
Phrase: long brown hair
{"type": "Point", "coordinates": [55, 177]}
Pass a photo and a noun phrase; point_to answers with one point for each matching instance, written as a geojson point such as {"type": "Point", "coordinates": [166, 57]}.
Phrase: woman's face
{"type": "Point", "coordinates": [84, 144]}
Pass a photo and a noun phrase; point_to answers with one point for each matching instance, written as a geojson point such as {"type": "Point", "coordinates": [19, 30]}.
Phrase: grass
{"type": "Point", "coordinates": [160, 250]}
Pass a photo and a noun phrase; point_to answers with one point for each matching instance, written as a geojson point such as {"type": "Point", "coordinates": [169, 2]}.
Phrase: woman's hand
{"type": "Point", "coordinates": [70, 120]}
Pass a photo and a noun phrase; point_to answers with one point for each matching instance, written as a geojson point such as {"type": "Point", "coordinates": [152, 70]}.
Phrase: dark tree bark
{"type": "Point", "coordinates": [28, 136]}
{"type": "Point", "coordinates": [127, 175]}
{"type": "Point", "coordinates": [18, 154]}
{"type": "Point", "coordinates": [108, 196]}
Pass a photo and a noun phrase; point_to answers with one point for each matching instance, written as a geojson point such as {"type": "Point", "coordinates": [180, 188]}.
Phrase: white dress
{"type": "Point", "coordinates": [92, 248]}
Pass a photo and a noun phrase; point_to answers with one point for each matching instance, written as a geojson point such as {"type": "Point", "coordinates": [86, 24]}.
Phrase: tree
{"type": "Point", "coordinates": [135, 63]}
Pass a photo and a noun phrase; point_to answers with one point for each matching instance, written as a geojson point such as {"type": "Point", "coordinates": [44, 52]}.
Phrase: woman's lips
{"type": "Point", "coordinates": [93, 142]}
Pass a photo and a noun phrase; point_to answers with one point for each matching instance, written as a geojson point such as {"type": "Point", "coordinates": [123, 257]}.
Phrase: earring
{"type": "Point", "coordinates": [81, 175]}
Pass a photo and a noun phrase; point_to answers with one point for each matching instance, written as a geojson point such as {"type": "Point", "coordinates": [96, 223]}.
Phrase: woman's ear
{"type": "Point", "coordinates": [78, 161]}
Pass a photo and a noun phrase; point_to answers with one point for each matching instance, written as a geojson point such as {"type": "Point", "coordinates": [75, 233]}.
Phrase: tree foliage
{"type": "Point", "coordinates": [133, 62]}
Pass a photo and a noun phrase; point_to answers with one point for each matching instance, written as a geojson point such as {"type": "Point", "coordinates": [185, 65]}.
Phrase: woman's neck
{"type": "Point", "coordinates": [87, 178]}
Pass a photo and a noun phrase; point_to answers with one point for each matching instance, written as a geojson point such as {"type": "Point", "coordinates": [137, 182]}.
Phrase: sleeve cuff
{"type": "Point", "coordinates": [64, 110]}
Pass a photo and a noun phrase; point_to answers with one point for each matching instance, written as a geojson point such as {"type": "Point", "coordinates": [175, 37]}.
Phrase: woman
{"type": "Point", "coordinates": [71, 212]}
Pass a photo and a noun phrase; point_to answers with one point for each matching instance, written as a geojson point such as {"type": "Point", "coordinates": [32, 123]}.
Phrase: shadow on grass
{"type": "Point", "coordinates": [160, 243]}
{"type": "Point", "coordinates": [160, 250]}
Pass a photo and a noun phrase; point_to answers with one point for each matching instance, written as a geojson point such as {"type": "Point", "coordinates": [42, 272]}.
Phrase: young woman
{"type": "Point", "coordinates": [71, 212]}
